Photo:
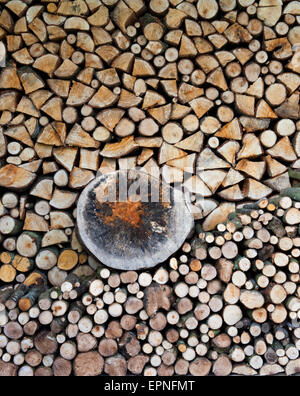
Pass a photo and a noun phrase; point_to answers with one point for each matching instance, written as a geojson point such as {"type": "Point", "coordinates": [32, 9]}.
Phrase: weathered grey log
{"type": "Point", "coordinates": [121, 226]}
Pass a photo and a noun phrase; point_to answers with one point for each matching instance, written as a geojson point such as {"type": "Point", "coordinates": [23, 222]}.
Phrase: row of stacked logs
{"type": "Point", "coordinates": [205, 87]}
{"type": "Point", "coordinates": [90, 86]}
{"type": "Point", "coordinates": [227, 303]}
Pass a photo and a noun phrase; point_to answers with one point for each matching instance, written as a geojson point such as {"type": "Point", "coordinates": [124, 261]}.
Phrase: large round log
{"type": "Point", "coordinates": [131, 221]}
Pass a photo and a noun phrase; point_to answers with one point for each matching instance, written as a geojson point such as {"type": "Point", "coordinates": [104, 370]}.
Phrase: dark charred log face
{"type": "Point", "coordinates": [130, 221]}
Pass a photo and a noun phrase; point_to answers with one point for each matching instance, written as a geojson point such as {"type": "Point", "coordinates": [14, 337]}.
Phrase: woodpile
{"type": "Point", "coordinates": [227, 303]}
{"type": "Point", "coordinates": [203, 87]}
{"type": "Point", "coordinates": [139, 231]}
{"type": "Point", "coordinates": [201, 93]}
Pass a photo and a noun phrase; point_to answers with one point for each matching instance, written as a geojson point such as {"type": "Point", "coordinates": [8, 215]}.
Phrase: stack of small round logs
{"type": "Point", "coordinates": [228, 303]}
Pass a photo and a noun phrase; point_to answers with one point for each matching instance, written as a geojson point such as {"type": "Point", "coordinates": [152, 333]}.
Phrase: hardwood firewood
{"type": "Point", "coordinates": [201, 106]}
{"type": "Point", "coordinates": [54, 237]}
{"type": "Point", "coordinates": [255, 190]}
{"type": "Point", "coordinates": [252, 299]}
{"type": "Point", "coordinates": [233, 193]}
{"type": "Point", "coordinates": [123, 16]}
{"type": "Point", "coordinates": [67, 70]}
{"type": "Point", "coordinates": [79, 138]}
{"type": "Point", "coordinates": [283, 150]}
{"type": "Point", "coordinates": [200, 367]}
{"type": "Point", "coordinates": [251, 147]}
{"type": "Point", "coordinates": [230, 131]}
{"type": "Point", "coordinates": [263, 110]}
{"type": "Point", "coordinates": [222, 366]}
{"type": "Point", "coordinates": [19, 133]}
{"type": "Point", "coordinates": [192, 143]}
{"type": "Point", "coordinates": [34, 222]}
{"type": "Point", "coordinates": [252, 169]}
{"type": "Point", "coordinates": [280, 182]}
{"type": "Point", "coordinates": [66, 156]}
{"type": "Point", "coordinates": [45, 343]}
{"type": "Point", "coordinates": [172, 175]}
{"type": "Point", "coordinates": [218, 216]}
{"type": "Point", "coordinates": [117, 150]}
{"type": "Point", "coordinates": [157, 297]}
{"type": "Point", "coordinates": [67, 260]}
{"type": "Point", "coordinates": [208, 160]}
{"type": "Point", "coordinates": [62, 367]}
{"type": "Point", "coordinates": [207, 10]}
{"type": "Point", "coordinates": [89, 87]}
{"type": "Point", "coordinates": [27, 301]}
{"type": "Point", "coordinates": [115, 366]}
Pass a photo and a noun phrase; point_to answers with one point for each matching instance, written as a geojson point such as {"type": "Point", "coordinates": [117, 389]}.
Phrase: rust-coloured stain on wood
{"type": "Point", "coordinates": [128, 212]}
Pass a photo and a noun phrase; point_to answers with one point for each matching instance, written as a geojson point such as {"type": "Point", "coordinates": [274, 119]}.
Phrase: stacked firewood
{"type": "Point", "coordinates": [205, 87]}
{"type": "Point", "coordinates": [200, 92]}
{"type": "Point", "coordinates": [24, 249]}
{"type": "Point", "coordinates": [227, 303]}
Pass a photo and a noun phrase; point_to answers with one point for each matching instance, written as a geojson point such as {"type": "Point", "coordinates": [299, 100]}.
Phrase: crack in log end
{"type": "Point", "coordinates": [129, 223]}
